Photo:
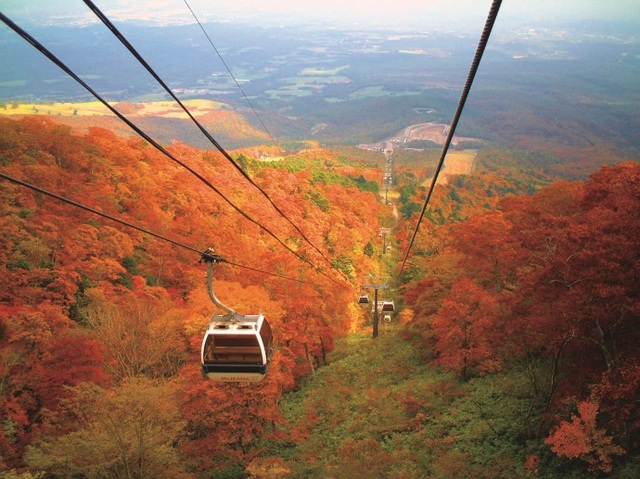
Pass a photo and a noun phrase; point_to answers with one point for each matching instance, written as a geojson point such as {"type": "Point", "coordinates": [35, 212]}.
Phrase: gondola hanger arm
{"type": "Point", "coordinates": [210, 257]}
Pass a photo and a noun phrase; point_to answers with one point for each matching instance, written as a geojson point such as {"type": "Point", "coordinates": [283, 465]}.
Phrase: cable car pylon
{"type": "Point", "coordinates": [377, 283]}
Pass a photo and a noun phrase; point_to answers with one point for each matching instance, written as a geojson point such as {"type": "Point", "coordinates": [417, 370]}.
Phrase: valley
{"type": "Point", "coordinates": [504, 342]}
{"type": "Point", "coordinates": [348, 87]}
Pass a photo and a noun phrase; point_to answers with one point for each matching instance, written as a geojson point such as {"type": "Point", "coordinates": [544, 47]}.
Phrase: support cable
{"type": "Point", "coordinates": [204, 131]}
{"type": "Point", "coordinates": [141, 229]}
{"type": "Point", "coordinates": [96, 212]}
{"type": "Point", "coordinates": [233, 77]}
{"type": "Point", "coordinates": [484, 38]}
{"type": "Point", "coordinates": [42, 49]}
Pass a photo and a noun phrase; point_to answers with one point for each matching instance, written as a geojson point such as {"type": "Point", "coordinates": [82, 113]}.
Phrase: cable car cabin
{"type": "Point", "coordinates": [364, 299]}
{"type": "Point", "coordinates": [388, 306]}
{"type": "Point", "coordinates": [237, 351]}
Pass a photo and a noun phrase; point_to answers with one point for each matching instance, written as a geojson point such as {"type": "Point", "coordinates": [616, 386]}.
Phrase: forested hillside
{"type": "Point", "coordinates": [515, 357]}
{"type": "Point", "coordinates": [512, 354]}
{"type": "Point", "coordinates": [162, 120]}
{"type": "Point", "coordinates": [101, 324]}
{"type": "Point", "coordinates": [534, 310]}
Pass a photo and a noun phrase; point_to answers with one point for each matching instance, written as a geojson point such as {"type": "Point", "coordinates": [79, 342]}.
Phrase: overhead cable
{"type": "Point", "coordinates": [484, 38]}
{"type": "Point", "coordinates": [139, 228]}
{"type": "Point", "coordinates": [204, 131]}
{"type": "Point", "coordinates": [233, 77]}
{"type": "Point", "coordinates": [154, 143]}
{"type": "Point", "coordinates": [96, 212]}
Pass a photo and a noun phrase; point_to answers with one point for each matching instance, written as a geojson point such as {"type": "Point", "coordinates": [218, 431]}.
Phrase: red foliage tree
{"type": "Point", "coordinates": [464, 328]}
{"type": "Point", "coordinates": [552, 280]}
{"type": "Point", "coordinates": [43, 355]}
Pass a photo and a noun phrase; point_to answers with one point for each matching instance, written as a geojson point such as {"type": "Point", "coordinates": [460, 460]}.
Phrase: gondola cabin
{"type": "Point", "coordinates": [237, 351]}
{"type": "Point", "coordinates": [388, 306]}
{"type": "Point", "coordinates": [364, 299]}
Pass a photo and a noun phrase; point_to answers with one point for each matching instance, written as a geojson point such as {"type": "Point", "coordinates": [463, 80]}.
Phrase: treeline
{"type": "Point", "coordinates": [232, 129]}
{"type": "Point", "coordinates": [514, 356]}
{"type": "Point", "coordinates": [497, 173]}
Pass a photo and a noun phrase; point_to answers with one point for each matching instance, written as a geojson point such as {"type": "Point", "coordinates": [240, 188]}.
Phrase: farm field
{"type": "Point", "coordinates": [165, 109]}
{"type": "Point", "coordinates": [55, 108]}
{"type": "Point", "coordinates": [457, 163]}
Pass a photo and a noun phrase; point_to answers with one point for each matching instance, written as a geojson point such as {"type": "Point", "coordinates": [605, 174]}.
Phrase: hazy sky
{"type": "Point", "coordinates": [393, 13]}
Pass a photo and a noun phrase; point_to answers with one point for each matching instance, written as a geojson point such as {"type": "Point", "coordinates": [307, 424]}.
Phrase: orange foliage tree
{"type": "Point", "coordinates": [118, 305]}
{"type": "Point", "coordinates": [582, 439]}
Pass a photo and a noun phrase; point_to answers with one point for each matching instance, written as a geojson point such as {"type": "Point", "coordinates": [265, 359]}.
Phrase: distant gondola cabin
{"type": "Point", "coordinates": [388, 306]}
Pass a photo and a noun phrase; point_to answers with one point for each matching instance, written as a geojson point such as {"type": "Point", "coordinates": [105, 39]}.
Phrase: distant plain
{"type": "Point", "coordinates": [564, 87]}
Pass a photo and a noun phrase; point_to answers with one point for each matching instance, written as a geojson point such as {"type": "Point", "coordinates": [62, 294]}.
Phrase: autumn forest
{"type": "Point", "coordinates": [513, 352]}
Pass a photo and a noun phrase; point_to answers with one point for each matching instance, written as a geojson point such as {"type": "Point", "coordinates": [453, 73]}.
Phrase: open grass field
{"type": "Point", "coordinates": [456, 163]}
{"type": "Point", "coordinates": [170, 109]}
{"type": "Point", "coordinates": [165, 109]}
{"type": "Point", "coordinates": [163, 120]}
{"type": "Point", "coordinates": [323, 71]}
{"type": "Point", "coordinates": [58, 109]}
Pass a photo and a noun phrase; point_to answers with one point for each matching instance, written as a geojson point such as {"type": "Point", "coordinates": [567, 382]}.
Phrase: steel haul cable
{"type": "Point", "coordinates": [105, 20]}
{"type": "Point", "coordinates": [233, 76]}
{"type": "Point", "coordinates": [484, 38]}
